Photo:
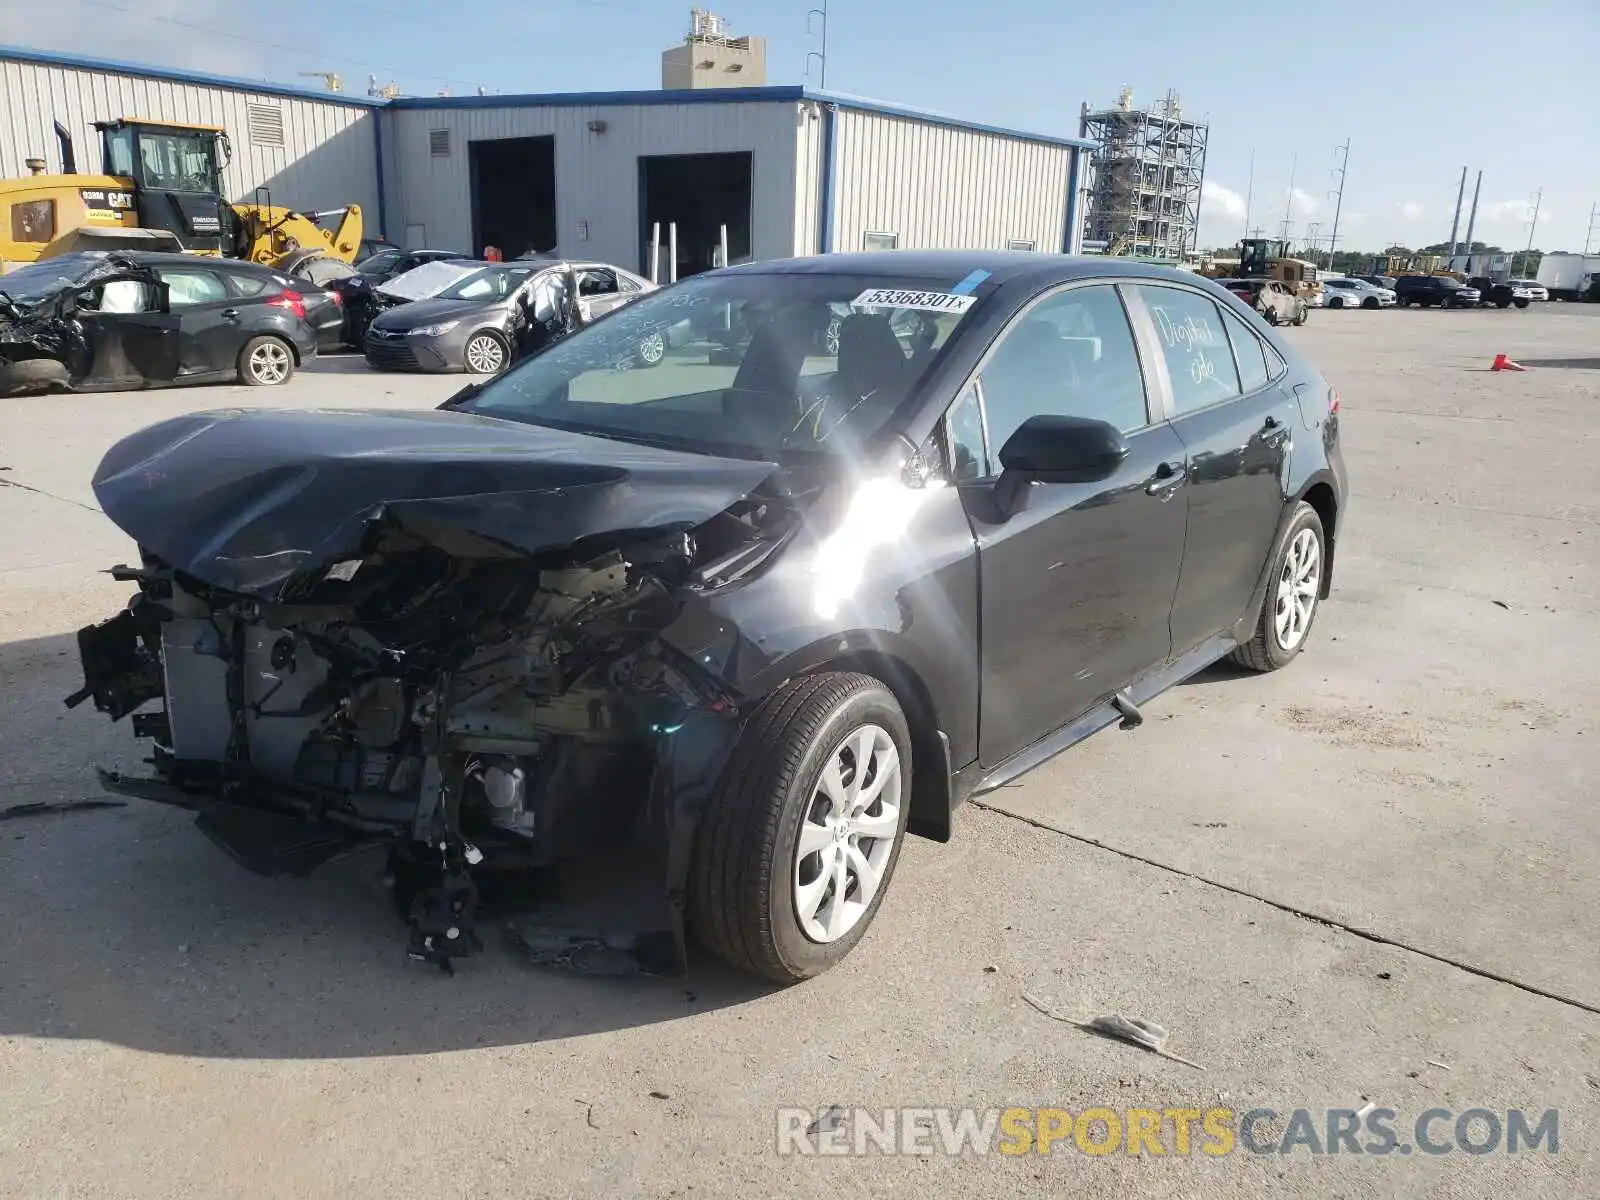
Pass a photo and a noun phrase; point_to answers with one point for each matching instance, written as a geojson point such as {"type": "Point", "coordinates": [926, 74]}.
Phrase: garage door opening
{"type": "Point", "coordinates": [701, 193]}
{"type": "Point", "coordinates": [513, 194]}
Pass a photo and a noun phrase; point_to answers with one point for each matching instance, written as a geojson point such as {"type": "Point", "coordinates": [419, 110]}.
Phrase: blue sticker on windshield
{"type": "Point", "coordinates": [970, 284]}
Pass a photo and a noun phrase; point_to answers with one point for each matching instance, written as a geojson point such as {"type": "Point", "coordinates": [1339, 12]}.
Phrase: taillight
{"type": "Point", "coordinates": [1333, 401]}
{"type": "Point", "coordinates": [292, 301]}
{"type": "Point", "coordinates": [338, 300]}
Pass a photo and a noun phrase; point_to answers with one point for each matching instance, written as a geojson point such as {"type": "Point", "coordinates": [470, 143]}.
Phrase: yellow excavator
{"type": "Point", "coordinates": [161, 190]}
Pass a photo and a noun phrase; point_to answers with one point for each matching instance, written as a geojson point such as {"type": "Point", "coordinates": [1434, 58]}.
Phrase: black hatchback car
{"type": "Point", "coordinates": [97, 321]}
{"type": "Point", "coordinates": [740, 622]}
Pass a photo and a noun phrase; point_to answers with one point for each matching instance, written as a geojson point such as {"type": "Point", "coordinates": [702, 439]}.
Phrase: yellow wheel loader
{"type": "Point", "coordinates": [161, 190]}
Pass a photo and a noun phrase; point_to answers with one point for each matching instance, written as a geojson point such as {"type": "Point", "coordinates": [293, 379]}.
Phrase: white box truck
{"type": "Point", "coordinates": [1569, 276]}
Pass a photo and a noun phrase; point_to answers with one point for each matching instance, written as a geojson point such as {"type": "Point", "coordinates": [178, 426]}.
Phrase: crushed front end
{"type": "Point", "coordinates": [511, 724]}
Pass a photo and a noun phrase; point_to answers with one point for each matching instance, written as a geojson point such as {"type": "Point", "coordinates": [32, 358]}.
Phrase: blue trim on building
{"type": "Point", "coordinates": [779, 94]}
{"type": "Point", "coordinates": [830, 178]}
{"type": "Point", "coordinates": [261, 87]}
{"type": "Point", "coordinates": [377, 154]}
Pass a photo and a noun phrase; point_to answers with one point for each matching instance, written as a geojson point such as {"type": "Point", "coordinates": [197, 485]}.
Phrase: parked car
{"type": "Point", "coordinates": [1532, 289]}
{"type": "Point", "coordinates": [98, 321]}
{"type": "Point", "coordinates": [1385, 282]}
{"type": "Point", "coordinates": [373, 245]}
{"type": "Point", "coordinates": [487, 319]}
{"type": "Point", "coordinates": [1427, 290]}
{"type": "Point", "coordinates": [361, 291]}
{"type": "Point", "coordinates": [754, 650]}
{"type": "Point", "coordinates": [1276, 302]}
{"type": "Point", "coordinates": [1356, 293]}
{"type": "Point", "coordinates": [322, 280]}
{"type": "Point", "coordinates": [1502, 293]}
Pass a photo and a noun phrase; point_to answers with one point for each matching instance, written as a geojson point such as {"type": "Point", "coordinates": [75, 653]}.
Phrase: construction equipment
{"type": "Point", "coordinates": [1268, 258]}
{"type": "Point", "coordinates": [161, 188]}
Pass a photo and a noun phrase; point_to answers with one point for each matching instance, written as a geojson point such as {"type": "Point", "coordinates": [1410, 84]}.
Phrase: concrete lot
{"type": "Point", "coordinates": [1419, 788]}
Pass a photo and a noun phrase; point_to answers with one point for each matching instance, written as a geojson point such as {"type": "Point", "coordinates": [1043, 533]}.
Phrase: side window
{"type": "Point", "coordinates": [1250, 353]}
{"type": "Point", "coordinates": [1276, 367]}
{"type": "Point", "coordinates": [1199, 359]}
{"type": "Point", "coordinates": [193, 287]}
{"type": "Point", "coordinates": [595, 282]}
{"type": "Point", "coordinates": [1072, 354]}
{"type": "Point", "coordinates": [248, 285]}
{"type": "Point", "coordinates": [964, 432]}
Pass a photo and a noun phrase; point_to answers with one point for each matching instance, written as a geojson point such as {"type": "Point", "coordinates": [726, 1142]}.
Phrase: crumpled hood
{"type": "Point", "coordinates": [431, 312]}
{"type": "Point", "coordinates": [245, 498]}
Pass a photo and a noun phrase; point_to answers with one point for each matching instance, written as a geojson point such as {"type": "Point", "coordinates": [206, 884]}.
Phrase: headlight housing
{"type": "Point", "coordinates": [435, 330]}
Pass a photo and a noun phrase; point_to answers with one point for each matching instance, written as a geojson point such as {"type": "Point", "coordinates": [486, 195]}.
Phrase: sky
{"type": "Point", "coordinates": [1419, 88]}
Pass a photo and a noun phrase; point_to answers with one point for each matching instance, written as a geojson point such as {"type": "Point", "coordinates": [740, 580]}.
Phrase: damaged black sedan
{"type": "Point", "coordinates": [623, 651]}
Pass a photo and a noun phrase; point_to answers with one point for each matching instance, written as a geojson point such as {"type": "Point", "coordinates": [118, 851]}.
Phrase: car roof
{"type": "Point", "coordinates": [1000, 266]}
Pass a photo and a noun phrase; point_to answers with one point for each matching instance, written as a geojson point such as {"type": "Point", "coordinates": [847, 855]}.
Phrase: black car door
{"type": "Point", "coordinates": [132, 340]}
{"type": "Point", "coordinates": [1077, 586]}
{"type": "Point", "coordinates": [1238, 441]}
{"type": "Point", "coordinates": [208, 319]}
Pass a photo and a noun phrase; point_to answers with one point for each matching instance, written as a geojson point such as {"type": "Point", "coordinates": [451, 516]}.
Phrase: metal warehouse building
{"type": "Point", "coordinates": [777, 171]}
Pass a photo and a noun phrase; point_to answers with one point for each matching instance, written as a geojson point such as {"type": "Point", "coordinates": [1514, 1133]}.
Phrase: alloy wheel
{"type": "Point", "coordinates": [848, 834]}
{"type": "Point", "coordinates": [269, 363]}
{"type": "Point", "coordinates": [1298, 584]}
{"type": "Point", "coordinates": [485, 355]}
{"type": "Point", "coordinates": [653, 349]}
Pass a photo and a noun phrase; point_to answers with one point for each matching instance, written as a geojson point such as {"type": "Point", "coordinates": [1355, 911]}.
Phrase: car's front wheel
{"type": "Point", "coordinates": [484, 354]}
{"type": "Point", "coordinates": [1370, 302]}
{"type": "Point", "coordinates": [265, 362]}
{"type": "Point", "coordinates": [1293, 593]}
{"type": "Point", "coordinates": [796, 848]}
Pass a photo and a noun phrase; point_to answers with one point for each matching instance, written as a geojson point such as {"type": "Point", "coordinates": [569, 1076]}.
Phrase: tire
{"type": "Point", "coordinates": [1336, 302]}
{"type": "Point", "coordinates": [1520, 303]}
{"type": "Point", "coordinates": [1266, 650]}
{"type": "Point", "coordinates": [1268, 314]}
{"type": "Point", "coordinates": [1302, 315]}
{"type": "Point", "coordinates": [1502, 304]}
{"type": "Point", "coordinates": [484, 354]}
{"type": "Point", "coordinates": [266, 362]}
{"type": "Point", "coordinates": [653, 350]}
{"type": "Point", "coordinates": [748, 881]}
{"type": "Point", "coordinates": [1370, 302]}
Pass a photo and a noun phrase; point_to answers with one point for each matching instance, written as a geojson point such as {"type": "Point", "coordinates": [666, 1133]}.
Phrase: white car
{"type": "Point", "coordinates": [1355, 293]}
{"type": "Point", "coordinates": [1529, 289]}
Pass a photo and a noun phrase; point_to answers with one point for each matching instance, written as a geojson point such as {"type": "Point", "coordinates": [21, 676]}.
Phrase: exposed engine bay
{"type": "Point", "coordinates": [501, 719]}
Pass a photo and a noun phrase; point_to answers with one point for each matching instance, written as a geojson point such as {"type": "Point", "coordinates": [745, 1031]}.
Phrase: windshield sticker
{"type": "Point", "coordinates": [941, 302]}
{"type": "Point", "coordinates": [970, 284]}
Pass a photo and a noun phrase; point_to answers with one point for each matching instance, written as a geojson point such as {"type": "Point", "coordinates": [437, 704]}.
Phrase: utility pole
{"type": "Point", "coordinates": [1472, 217]}
{"type": "Point", "coordinates": [822, 57]}
{"type": "Point", "coordinates": [1594, 210]}
{"type": "Point", "coordinates": [1250, 192]}
{"type": "Point", "coordinates": [1455, 223]}
{"type": "Point", "coordinates": [1533, 224]}
{"type": "Point", "coordinates": [1338, 201]}
{"type": "Point", "coordinates": [1288, 203]}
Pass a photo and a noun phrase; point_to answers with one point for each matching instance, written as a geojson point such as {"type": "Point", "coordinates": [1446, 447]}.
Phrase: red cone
{"type": "Point", "coordinates": [1502, 363]}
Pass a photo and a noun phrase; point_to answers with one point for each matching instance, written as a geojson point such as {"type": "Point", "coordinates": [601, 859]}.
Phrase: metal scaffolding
{"type": "Point", "coordinates": [1145, 177]}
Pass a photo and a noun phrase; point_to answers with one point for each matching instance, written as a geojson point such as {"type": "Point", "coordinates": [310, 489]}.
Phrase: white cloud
{"type": "Point", "coordinates": [1409, 210]}
{"type": "Point", "coordinates": [1304, 204]}
{"type": "Point", "coordinates": [161, 33]}
{"type": "Point", "coordinates": [1215, 197]}
{"type": "Point", "coordinates": [1354, 220]}
{"type": "Point", "coordinates": [1516, 212]}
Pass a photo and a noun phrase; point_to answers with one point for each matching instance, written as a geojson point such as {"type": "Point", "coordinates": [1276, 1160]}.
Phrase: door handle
{"type": "Point", "coordinates": [230, 314]}
{"type": "Point", "coordinates": [1169, 477]}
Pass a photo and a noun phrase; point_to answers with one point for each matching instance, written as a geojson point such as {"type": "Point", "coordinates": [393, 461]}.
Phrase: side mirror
{"type": "Point", "coordinates": [1057, 449]}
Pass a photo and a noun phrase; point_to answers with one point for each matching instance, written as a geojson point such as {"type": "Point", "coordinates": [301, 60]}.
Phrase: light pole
{"type": "Point", "coordinates": [820, 56]}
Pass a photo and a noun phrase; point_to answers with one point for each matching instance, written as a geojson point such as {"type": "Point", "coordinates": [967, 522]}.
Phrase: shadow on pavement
{"type": "Point", "coordinates": [1569, 364]}
{"type": "Point", "coordinates": [128, 926]}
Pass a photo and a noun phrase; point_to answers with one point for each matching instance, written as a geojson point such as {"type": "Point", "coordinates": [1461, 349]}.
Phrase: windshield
{"type": "Point", "coordinates": [177, 161]}
{"type": "Point", "coordinates": [380, 263]}
{"type": "Point", "coordinates": [763, 366]}
{"type": "Point", "coordinates": [491, 283]}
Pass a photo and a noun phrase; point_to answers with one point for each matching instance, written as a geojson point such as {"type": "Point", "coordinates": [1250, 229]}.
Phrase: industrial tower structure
{"type": "Point", "coordinates": [1144, 179]}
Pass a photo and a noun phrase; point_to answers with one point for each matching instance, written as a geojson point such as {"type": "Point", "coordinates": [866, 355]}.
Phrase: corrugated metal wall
{"type": "Point", "coordinates": [939, 187]}
{"type": "Point", "coordinates": [597, 174]}
{"type": "Point", "coordinates": [326, 160]}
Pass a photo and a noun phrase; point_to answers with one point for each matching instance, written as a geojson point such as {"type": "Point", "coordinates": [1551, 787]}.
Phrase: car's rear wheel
{"type": "Point", "coordinates": [1301, 314]}
{"type": "Point", "coordinates": [265, 362]}
{"type": "Point", "coordinates": [1336, 302]}
{"type": "Point", "coordinates": [653, 349]}
{"type": "Point", "coordinates": [484, 354]}
{"type": "Point", "coordinates": [797, 846]}
{"type": "Point", "coordinates": [1293, 594]}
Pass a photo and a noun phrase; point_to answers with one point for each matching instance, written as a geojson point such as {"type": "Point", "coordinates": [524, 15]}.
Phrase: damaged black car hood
{"type": "Point", "coordinates": [245, 499]}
